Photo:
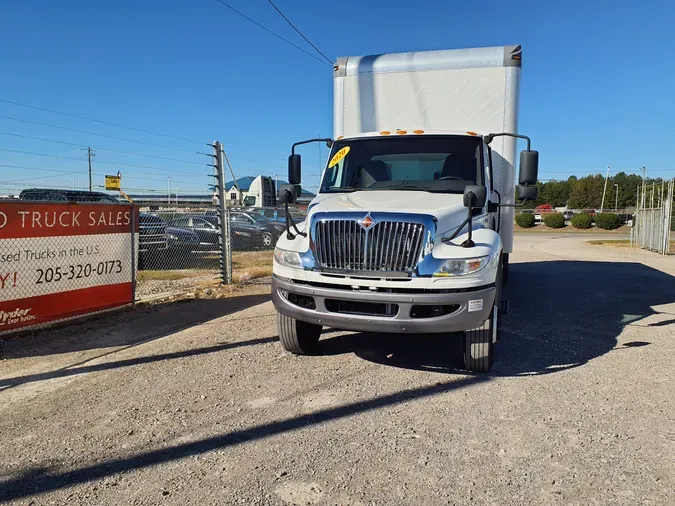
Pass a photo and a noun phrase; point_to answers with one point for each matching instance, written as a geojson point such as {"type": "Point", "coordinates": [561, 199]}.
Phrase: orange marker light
{"type": "Point", "coordinates": [385, 132]}
{"type": "Point", "coordinates": [341, 137]}
{"type": "Point", "coordinates": [401, 132]}
{"type": "Point", "coordinates": [418, 132]}
{"type": "Point", "coordinates": [472, 133]}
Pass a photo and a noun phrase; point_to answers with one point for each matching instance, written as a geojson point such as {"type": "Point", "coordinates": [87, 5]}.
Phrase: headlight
{"type": "Point", "coordinates": [287, 258]}
{"type": "Point", "coordinates": [462, 267]}
{"type": "Point", "coordinates": [243, 234]}
{"type": "Point", "coordinates": [173, 236]}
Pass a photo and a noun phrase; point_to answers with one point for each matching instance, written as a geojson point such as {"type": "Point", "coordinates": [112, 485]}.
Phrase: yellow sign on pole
{"type": "Point", "coordinates": [113, 182]}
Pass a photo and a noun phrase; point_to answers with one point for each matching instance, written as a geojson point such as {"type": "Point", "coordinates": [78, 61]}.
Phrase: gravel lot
{"type": "Point", "coordinates": [196, 403]}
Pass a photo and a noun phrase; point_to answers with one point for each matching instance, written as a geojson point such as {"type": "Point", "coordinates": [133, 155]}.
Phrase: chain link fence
{"type": "Point", "coordinates": [654, 219]}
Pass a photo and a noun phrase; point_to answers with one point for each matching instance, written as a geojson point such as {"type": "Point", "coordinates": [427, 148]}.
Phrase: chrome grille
{"type": "Point", "coordinates": [391, 246]}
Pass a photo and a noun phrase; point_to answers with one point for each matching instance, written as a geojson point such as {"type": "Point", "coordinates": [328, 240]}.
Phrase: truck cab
{"type": "Point", "coordinates": [411, 227]}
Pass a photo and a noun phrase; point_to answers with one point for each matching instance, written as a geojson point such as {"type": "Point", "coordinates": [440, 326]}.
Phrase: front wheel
{"type": "Point", "coordinates": [505, 268]}
{"type": "Point", "coordinates": [479, 345]}
{"type": "Point", "coordinates": [300, 338]}
{"type": "Point", "coordinates": [267, 240]}
{"type": "Point", "coordinates": [479, 342]}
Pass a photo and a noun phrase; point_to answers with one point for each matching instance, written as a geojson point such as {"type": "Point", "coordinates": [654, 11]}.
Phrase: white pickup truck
{"type": "Point", "coordinates": [412, 226]}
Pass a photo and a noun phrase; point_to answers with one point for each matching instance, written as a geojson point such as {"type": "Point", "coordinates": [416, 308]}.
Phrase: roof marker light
{"type": "Point", "coordinates": [401, 132]}
{"type": "Point", "coordinates": [385, 132]}
{"type": "Point", "coordinates": [472, 133]}
{"type": "Point", "coordinates": [418, 132]}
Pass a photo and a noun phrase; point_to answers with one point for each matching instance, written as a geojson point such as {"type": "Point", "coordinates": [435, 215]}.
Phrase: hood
{"type": "Point", "coordinates": [448, 209]}
{"type": "Point", "coordinates": [182, 233]}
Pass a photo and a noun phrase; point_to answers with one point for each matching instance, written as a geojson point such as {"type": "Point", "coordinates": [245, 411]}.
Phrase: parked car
{"type": "Point", "coordinates": [204, 227]}
{"type": "Point", "coordinates": [276, 215]}
{"type": "Point", "coordinates": [265, 230]}
{"type": "Point", "coordinates": [182, 239]}
{"type": "Point", "coordinates": [568, 215]}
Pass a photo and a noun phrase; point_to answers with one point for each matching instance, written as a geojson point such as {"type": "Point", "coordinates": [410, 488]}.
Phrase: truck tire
{"type": "Point", "coordinates": [505, 268]}
{"type": "Point", "coordinates": [479, 342]}
{"type": "Point", "coordinates": [296, 336]}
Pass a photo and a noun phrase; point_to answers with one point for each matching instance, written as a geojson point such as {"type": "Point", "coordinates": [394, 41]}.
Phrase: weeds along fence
{"type": "Point", "coordinates": [180, 246]}
{"type": "Point", "coordinates": [654, 218]}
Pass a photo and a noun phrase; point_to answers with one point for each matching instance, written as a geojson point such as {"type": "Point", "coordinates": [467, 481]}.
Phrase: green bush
{"type": "Point", "coordinates": [581, 221]}
{"type": "Point", "coordinates": [554, 220]}
{"type": "Point", "coordinates": [525, 220]}
{"type": "Point", "coordinates": [608, 221]}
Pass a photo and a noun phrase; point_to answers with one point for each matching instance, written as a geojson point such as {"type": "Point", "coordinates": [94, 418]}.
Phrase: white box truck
{"type": "Point", "coordinates": [412, 226]}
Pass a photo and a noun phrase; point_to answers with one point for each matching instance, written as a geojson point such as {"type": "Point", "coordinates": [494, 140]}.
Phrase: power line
{"type": "Point", "coordinates": [330, 62]}
{"type": "Point", "coordinates": [44, 109]}
{"type": "Point", "coordinates": [95, 133]}
{"type": "Point", "coordinates": [130, 128]}
{"type": "Point", "coordinates": [37, 177]}
{"type": "Point", "coordinates": [102, 149]}
{"type": "Point", "coordinates": [593, 172]}
{"type": "Point", "coordinates": [271, 32]}
{"type": "Point", "coordinates": [66, 143]}
{"type": "Point", "coordinates": [82, 173]}
{"type": "Point", "coordinates": [121, 164]}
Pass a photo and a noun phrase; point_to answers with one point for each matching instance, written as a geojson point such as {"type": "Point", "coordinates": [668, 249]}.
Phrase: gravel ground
{"type": "Point", "coordinates": [196, 403]}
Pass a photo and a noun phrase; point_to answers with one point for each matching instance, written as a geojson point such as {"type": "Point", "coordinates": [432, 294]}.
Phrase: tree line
{"type": "Point", "coordinates": [586, 192]}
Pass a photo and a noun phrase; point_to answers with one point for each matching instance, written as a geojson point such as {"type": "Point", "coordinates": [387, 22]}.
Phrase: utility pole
{"type": "Point", "coordinates": [616, 201]}
{"type": "Point", "coordinates": [602, 204]}
{"type": "Point", "coordinates": [90, 155]}
{"type": "Point", "coordinates": [168, 191]}
{"type": "Point", "coordinates": [234, 179]}
{"type": "Point", "coordinates": [223, 215]}
{"type": "Point", "coordinates": [644, 186]}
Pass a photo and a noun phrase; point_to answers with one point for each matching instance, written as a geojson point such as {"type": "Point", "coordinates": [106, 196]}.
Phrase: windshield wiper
{"type": "Point", "coordinates": [344, 189]}
{"type": "Point", "coordinates": [413, 188]}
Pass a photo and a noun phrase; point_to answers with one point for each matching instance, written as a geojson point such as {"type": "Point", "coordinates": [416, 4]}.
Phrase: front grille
{"type": "Point", "coordinates": [389, 246]}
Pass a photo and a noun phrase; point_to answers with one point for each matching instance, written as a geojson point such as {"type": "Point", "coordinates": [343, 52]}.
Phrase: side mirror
{"type": "Point", "coordinates": [294, 169]}
{"type": "Point", "coordinates": [289, 193]}
{"type": "Point", "coordinates": [475, 196]}
{"type": "Point", "coordinates": [529, 167]}
{"type": "Point", "coordinates": [527, 192]}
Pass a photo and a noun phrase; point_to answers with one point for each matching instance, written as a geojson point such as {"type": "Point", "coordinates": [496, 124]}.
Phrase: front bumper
{"type": "Point", "coordinates": [400, 322]}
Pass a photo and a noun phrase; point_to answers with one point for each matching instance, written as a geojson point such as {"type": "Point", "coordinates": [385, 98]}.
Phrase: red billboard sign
{"type": "Point", "coordinates": [59, 261]}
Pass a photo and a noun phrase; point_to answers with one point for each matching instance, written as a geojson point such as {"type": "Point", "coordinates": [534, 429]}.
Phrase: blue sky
{"type": "Point", "coordinates": [598, 85]}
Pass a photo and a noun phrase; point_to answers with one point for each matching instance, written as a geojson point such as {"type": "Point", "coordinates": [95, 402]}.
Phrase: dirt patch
{"type": "Point", "coordinates": [569, 228]}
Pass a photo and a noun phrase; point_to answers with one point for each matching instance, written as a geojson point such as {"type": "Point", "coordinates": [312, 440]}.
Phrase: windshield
{"type": "Point", "coordinates": [258, 217]}
{"type": "Point", "coordinates": [430, 163]}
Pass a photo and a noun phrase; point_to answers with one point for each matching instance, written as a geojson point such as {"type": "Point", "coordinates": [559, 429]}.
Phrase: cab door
{"type": "Point", "coordinates": [494, 198]}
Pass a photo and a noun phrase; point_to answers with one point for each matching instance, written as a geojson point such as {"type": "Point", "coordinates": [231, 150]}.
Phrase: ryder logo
{"type": "Point", "coordinates": [17, 316]}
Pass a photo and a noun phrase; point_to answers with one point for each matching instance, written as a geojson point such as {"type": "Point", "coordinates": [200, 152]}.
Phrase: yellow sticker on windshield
{"type": "Point", "coordinates": [337, 157]}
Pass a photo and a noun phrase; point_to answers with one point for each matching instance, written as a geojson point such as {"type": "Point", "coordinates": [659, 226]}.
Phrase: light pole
{"type": "Point", "coordinates": [168, 193]}
{"type": "Point", "coordinates": [72, 183]}
{"type": "Point", "coordinates": [616, 201]}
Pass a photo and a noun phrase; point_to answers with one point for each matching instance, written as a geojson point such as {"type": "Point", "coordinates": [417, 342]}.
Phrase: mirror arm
{"type": "Point", "coordinates": [490, 137]}
{"type": "Point", "coordinates": [458, 229]}
{"type": "Point", "coordinates": [289, 219]}
{"type": "Point", "coordinates": [329, 143]}
{"type": "Point", "coordinates": [469, 221]}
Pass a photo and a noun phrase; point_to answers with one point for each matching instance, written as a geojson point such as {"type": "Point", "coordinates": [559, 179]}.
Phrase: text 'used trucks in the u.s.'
{"type": "Point", "coordinates": [412, 226]}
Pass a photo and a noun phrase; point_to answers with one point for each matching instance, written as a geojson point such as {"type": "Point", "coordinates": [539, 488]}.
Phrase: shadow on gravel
{"type": "Point", "coordinates": [562, 314]}
{"type": "Point", "coordinates": [126, 329]}
{"type": "Point", "coordinates": [40, 480]}
{"type": "Point", "coordinates": [72, 370]}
